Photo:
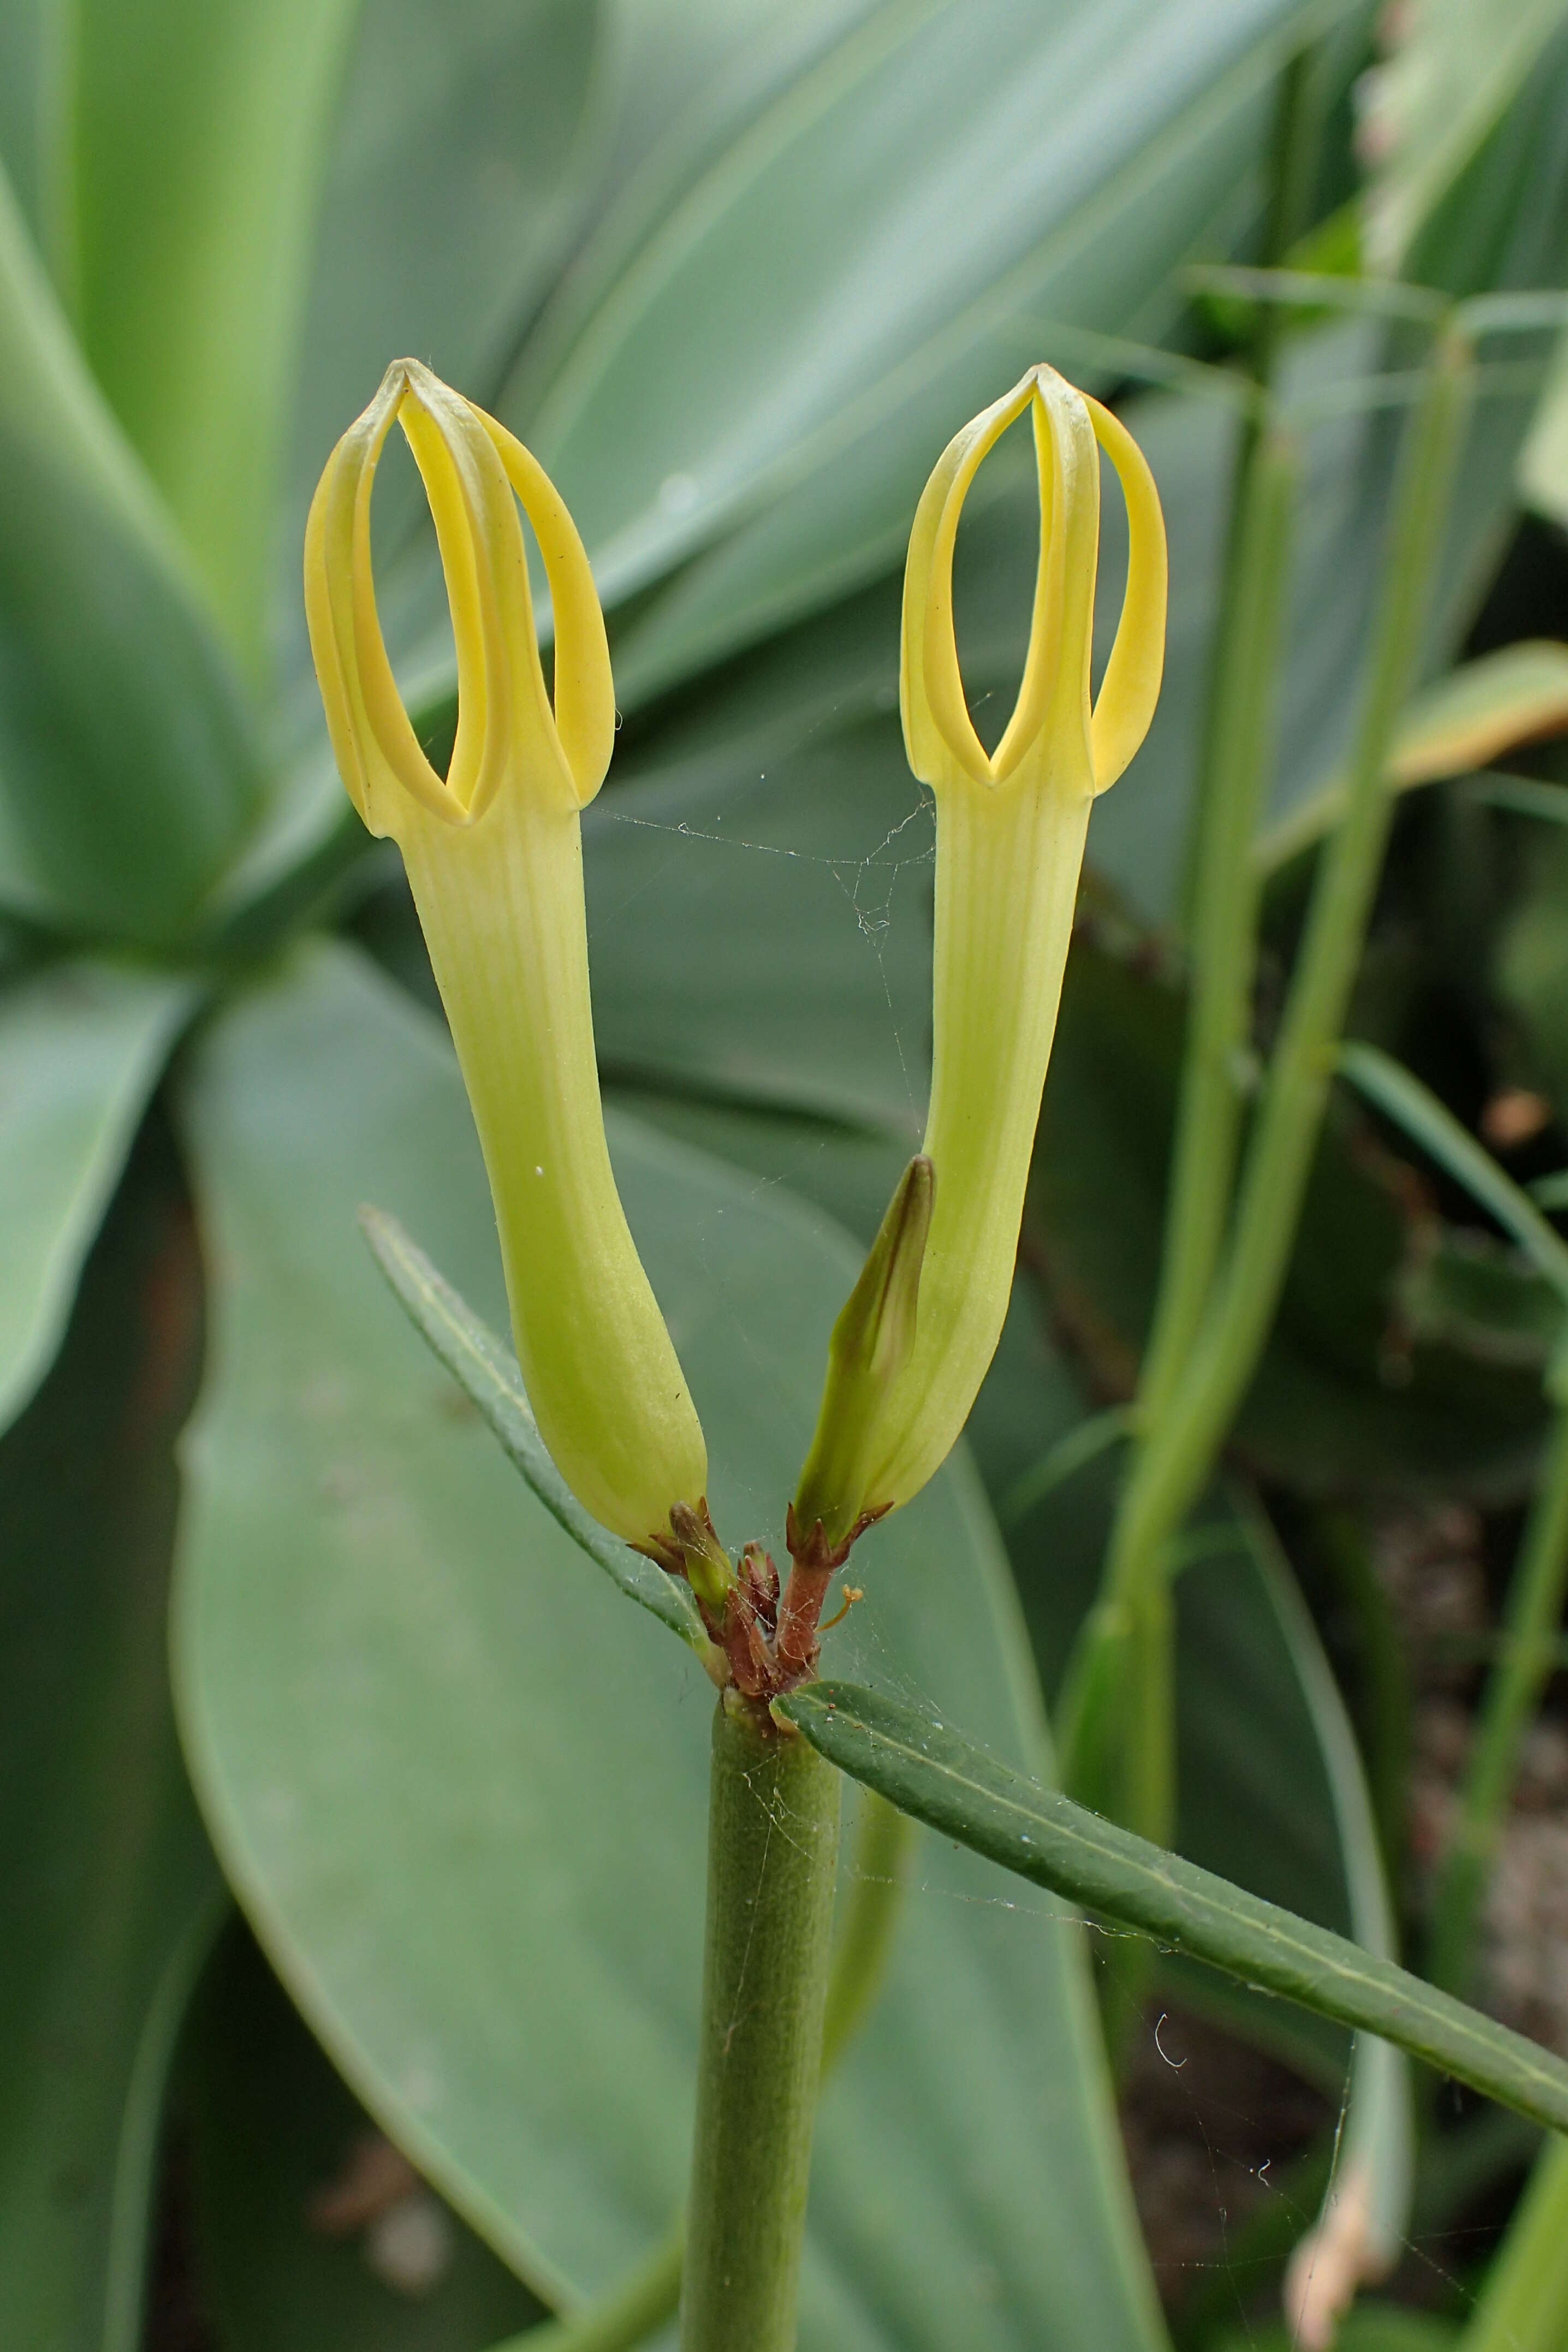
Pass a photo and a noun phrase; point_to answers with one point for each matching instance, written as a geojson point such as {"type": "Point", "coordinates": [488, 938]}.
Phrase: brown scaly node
{"type": "Point", "coordinates": [768, 1641]}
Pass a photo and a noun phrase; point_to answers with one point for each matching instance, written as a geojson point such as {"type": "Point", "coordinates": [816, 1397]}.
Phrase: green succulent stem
{"type": "Point", "coordinates": [1527, 1658]}
{"type": "Point", "coordinates": [1180, 1447]}
{"type": "Point", "coordinates": [650, 2294]}
{"type": "Point", "coordinates": [773, 1851]}
{"type": "Point", "coordinates": [1225, 914]}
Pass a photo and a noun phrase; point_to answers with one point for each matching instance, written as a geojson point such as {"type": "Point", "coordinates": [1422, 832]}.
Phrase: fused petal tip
{"type": "Point", "coordinates": [494, 859]}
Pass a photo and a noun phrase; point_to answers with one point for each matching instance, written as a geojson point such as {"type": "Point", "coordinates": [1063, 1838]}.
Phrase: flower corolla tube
{"type": "Point", "coordinates": [1010, 832]}
{"type": "Point", "coordinates": [493, 854]}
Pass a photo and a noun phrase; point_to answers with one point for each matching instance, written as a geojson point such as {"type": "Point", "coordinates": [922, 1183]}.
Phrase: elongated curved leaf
{"type": "Point", "coordinates": [81, 1047]}
{"type": "Point", "coordinates": [1465, 719]}
{"type": "Point", "coordinates": [461, 1787]}
{"type": "Point", "coordinates": [197, 145]}
{"type": "Point", "coordinates": [750, 342]}
{"type": "Point", "coordinates": [921, 1765]}
{"type": "Point", "coordinates": [127, 769]}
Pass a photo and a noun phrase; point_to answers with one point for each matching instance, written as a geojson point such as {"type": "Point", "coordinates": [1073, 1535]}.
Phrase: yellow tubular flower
{"type": "Point", "coordinates": [494, 860]}
{"type": "Point", "coordinates": [1010, 838]}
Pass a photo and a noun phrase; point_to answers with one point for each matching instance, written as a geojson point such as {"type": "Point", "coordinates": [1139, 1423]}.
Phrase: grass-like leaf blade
{"type": "Point", "coordinates": [1429, 1121]}
{"type": "Point", "coordinates": [943, 1779]}
{"type": "Point", "coordinates": [487, 1372]}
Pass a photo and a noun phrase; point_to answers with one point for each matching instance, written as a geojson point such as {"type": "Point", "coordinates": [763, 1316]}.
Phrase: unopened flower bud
{"type": "Point", "coordinates": [872, 1342]}
{"type": "Point", "coordinates": [494, 859]}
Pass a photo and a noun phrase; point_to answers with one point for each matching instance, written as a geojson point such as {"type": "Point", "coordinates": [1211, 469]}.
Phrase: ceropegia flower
{"type": "Point", "coordinates": [494, 858]}
{"type": "Point", "coordinates": [1010, 837]}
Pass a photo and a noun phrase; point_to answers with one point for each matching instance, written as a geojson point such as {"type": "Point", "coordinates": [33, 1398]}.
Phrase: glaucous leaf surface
{"type": "Point", "coordinates": [310, 2233]}
{"type": "Point", "coordinates": [456, 167]}
{"type": "Point", "coordinates": [460, 1785]}
{"type": "Point", "coordinates": [110, 1889]}
{"type": "Point", "coordinates": [196, 140]}
{"type": "Point", "coordinates": [81, 1047]}
{"type": "Point", "coordinates": [1447, 75]}
{"type": "Point", "coordinates": [128, 770]}
{"type": "Point", "coordinates": [31, 62]}
{"type": "Point", "coordinates": [1000, 169]}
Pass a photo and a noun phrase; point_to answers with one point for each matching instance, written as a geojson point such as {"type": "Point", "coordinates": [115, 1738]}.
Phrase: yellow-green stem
{"type": "Point", "coordinates": [1526, 1660]}
{"type": "Point", "coordinates": [1179, 1453]}
{"type": "Point", "coordinates": [1225, 917]}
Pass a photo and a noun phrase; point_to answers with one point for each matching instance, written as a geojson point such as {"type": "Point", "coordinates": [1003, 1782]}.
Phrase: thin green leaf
{"type": "Point", "coordinates": [1450, 74]}
{"type": "Point", "coordinates": [1318, 290]}
{"type": "Point", "coordinates": [1520, 796]}
{"type": "Point", "coordinates": [487, 1372]}
{"type": "Point", "coordinates": [1074, 1452]}
{"type": "Point", "coordinates": [1512, 314]}
{"type": "Point", "coordinates": [957, 1790]}
{"type": "Point", "coordinates": [1429, 1122]}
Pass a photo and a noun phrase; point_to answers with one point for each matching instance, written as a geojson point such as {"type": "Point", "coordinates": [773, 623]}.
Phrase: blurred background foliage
{"type": "Point", "coordinates": [734, 270]}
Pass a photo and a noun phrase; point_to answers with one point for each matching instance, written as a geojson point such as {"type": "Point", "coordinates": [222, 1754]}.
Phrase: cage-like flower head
{"type": "Point", "coordinates": [493, 854]}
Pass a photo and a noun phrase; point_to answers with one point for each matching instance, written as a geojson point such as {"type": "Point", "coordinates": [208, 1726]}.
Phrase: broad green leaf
{"type": "Point", "coordinates": [81, 1047]}
{"type": "Point", "coordinates": [486, 1371]}
{"type": "Point", "coordinates": [127, 771]}
{"type": "Point", "coordinates": [462, 153]}
{"type": "Point", "coordinates": [288, 2256]}
{"type": "Point", "coordinates": [198, 134]}
{"type": "Point", "coordinates": [1452, 68]}
{"type": "Point", "coordinates": [31, 61]}
{"type": "Point", "coordinates": [486, 163]}
{"type": "Point", "coordinates": [1464, 720]}
{"type": "Point", "coordinates": [1330, 1404]}
{"type": "Point", "coordinates": [109, 1887]}
{"type": "Point", "coordinates": [1002, 169]}
{"type": "Point", "coordinates": [461, 1787]}
{"type": "Point", "coordinates": [938, 1774]}
{"type": "Point", "coordinates": [802, 883]}
{"type": "Point", "coordinates": [48, 394]}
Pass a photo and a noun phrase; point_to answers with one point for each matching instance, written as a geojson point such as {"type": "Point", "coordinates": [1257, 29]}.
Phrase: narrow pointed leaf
{"type": "Point", "coordinates": [941, 1777]}
{"type": "Point", "coordinates": [1429, 1122]}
